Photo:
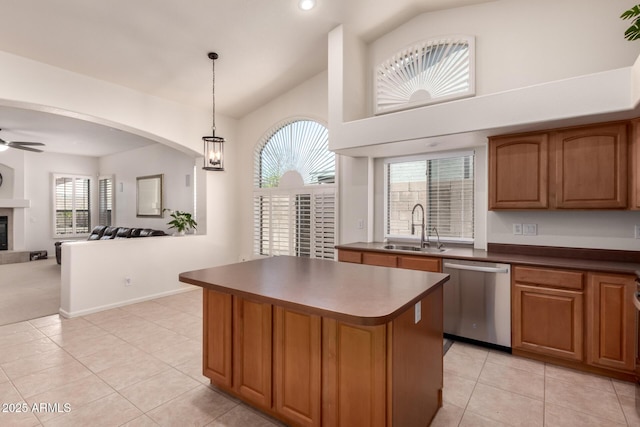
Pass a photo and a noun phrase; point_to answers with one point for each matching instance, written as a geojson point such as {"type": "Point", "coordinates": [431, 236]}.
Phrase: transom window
{"type": "Point", "coordinates": [443, 185]}
{"type": "Point", "coordinates": [430, 71]}
{"type": "Point", "coordinates": [294, 197]}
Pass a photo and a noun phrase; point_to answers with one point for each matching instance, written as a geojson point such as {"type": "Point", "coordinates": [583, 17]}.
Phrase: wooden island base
{"type": "Point", "coordinates": [311, 367]}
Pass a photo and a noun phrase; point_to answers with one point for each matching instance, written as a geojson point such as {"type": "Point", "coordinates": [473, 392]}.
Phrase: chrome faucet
{"type": "Point", "coordinates": [423, 242]}
{"type": "Point", "coordinates": [438, 244]}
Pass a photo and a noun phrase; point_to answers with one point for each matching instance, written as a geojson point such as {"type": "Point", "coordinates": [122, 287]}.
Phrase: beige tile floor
{"type": "Point", "coordinates": [140, 365]}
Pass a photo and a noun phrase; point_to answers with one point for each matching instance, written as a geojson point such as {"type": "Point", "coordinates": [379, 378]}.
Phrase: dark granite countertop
{"type": "Point", "coordinates": [469, 253]}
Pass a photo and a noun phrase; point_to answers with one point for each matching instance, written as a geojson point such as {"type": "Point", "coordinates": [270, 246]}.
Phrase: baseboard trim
{"type": "Point", "coordinates": [70, 315]}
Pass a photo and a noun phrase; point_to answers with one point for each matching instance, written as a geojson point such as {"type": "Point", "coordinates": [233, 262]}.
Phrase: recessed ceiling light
{"type": "Point", "coordinates": [306, 4]}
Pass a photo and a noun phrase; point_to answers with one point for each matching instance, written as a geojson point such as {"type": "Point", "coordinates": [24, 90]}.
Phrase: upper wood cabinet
{"type": "Point", "coordinates": [634, 165]}
{"type": "Point", "coordinates": [518, 172]}
{"type": "Point", "coordinates": [582, 167]}
{"type": "Point", "coordinates": [590, 167]}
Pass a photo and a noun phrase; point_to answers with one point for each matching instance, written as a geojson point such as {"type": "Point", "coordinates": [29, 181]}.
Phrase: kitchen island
{"type": "Point", "coordinates": [321, 343]}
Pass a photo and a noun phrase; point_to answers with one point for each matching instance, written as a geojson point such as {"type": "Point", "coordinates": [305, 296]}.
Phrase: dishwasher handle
{"type": "Point", "coordinates": [476, 268]}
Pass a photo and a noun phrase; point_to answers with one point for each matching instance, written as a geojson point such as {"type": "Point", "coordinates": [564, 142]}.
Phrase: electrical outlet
{"type": "Point", "coordinates": [127, 281]}
{"type": "Point", "coordinates": [530, 229]}
{"type": "Point", "coordinates": [517, 228]}
{"type": "Point", "coordinates": [637, 231]}
{"type": "Point", "coordinates": [418, 312]}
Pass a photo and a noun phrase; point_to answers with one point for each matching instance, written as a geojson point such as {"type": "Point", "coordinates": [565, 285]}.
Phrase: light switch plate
{"type": "Point", "coordinates": [530, 229]}
{"type": "Point", "coordinates": [517, 228]}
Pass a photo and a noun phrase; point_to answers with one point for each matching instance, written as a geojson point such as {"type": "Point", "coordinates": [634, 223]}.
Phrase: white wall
{"type": "Point", "coordinates": [519, 44]}
{"type": "Point", "coordinates": [150, 160]}
{"type": "Point", "coordinates": [32, 85]}
{"type": "Point", "coordinates": [39, 168]}
{"type": "Point", "coordinates": [308, 100]}
{"type": "Point", "coordinates": [522, 43]}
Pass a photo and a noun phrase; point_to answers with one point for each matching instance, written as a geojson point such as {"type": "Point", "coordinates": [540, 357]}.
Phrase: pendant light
{"type": "Point", "coordinates": [213, 145]}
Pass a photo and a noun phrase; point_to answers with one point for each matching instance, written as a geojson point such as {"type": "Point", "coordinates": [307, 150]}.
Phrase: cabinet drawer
{"type": "Point", "coordinates": [350, 256]}
{"type": "Point", "coordinates": [548, 277]}
{"type": "Point", "coordinates": [383, 260]}
{"type": "Point", "coordinates": [420, 263]}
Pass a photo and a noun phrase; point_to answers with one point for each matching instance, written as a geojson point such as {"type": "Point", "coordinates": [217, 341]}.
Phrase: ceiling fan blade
{"type": "Point", "coordinates": [20, 147]}
{"type": "Point", "coordinates": [25, 143]}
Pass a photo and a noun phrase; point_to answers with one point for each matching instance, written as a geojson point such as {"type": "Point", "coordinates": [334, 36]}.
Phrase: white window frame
{"type": "Point", "coordinates": [430, 156]}
{"type": "Point", "coordinates": [73, 177]}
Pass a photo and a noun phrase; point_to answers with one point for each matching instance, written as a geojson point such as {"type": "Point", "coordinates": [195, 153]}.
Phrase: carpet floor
{"type": "Point", "coordinates": [29, 290]}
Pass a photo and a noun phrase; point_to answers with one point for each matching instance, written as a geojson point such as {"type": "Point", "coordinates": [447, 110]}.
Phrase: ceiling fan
{"type": "Point", "coordinates": [21, 145]}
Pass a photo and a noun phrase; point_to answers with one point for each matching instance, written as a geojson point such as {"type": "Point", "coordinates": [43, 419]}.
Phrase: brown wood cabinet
{"type": "Point", "coordinates": [634, 165]}
{"type": "Point", "coordinates": [297, 368]}
{"type": "Point", "coordinates": [217, 335]}
{"type": "Point", "coordinates": [583, 167]}
{"type": "Point", "coordinates": [252, 350]}
{"type": "Point", "coordinates": [548, 320]}
{"type": "Point", "coordinates": [518, 172]}
{"type": "Point", "coordinates": [590, 167]}
{"type": "Point", "coordinates": [611, 321]}
{"type": "Point", "coordinates": [410, 262]}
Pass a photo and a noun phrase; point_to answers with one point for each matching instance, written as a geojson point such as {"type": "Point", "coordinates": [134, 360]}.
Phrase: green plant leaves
{"type": "Point", "coordinates": [633, 32]}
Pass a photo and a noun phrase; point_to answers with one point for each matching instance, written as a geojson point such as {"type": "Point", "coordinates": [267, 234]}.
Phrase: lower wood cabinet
{"type": "Point", "coordinates": [317, 371]}
{"type": "Point", "coordinates": [411, 262]}
{"type": "Point", "coordinates": [297, 367]}
{"type": "Point", "coordinates": [587, 318]}
{"type": "Point", "coordinates": [548, 321]}
{"type": "Point", "coordinates": [252, 351]}
{"type": "Point", "coordinates": [611, 321]}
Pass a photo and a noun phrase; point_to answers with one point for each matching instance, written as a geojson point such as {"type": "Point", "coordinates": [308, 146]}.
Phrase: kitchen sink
{"type": "Point", "coordinates": [414, 249]}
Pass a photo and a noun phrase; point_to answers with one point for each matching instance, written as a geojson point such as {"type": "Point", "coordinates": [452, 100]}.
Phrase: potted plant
{"type": "Point", "coordinates": [633, 32]}
{"type": "Point", "coordinates": [182, 222]}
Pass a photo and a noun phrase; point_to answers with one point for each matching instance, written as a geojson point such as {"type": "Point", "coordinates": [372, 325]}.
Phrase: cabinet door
{"type": "Point", "coordinates": [383, 260]}
{"type": "Point", "coordinates": [252, 349]}
{"type": "Point", "coordinates": [518, 172]}
{"type": "Point", "coordinates": [611, 321]}
{"type": "Point", "coordinates": [420, 263]}
{"type": "Point", "coordinates": [297, 376]}
{"type": "Point", "coordinates": [217, 342]}
{"type": "Point", "coordinates": [354, 375]}
{"type": "Point", "coordinates": [591, 167]}
{"type": "Point", "coordinates": [548, 321]}
{"type": "Point", "coordinates": [635, 165]}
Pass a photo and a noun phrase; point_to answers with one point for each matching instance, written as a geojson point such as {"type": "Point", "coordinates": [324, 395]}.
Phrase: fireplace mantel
{"type": "Point", "coordinates": [15, 203]}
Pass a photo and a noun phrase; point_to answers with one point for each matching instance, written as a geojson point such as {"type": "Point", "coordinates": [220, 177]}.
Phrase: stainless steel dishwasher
{"type": "Point", "coordinates": [477, 302]}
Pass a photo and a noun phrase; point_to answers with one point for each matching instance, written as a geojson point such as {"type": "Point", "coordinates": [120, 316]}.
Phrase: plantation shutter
{"type": "Point", "coordinates": [105, 201]}
{"type": "Point", "coordinates": [295, 223]}
{"type": "Point", "coordinates": [72, 205]}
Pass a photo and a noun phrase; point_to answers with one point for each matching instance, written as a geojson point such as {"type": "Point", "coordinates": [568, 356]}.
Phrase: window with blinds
{"type": "Point", "coordinates": [72, 205]}
{"type": "Point", "coordinates": [298, 220]}
{"type": "Point", "coordinates": [295, 223]}
{"type": "Point", "coordinates": [443, 185]}
{"type": "Point", "coordinates": [105, 200]}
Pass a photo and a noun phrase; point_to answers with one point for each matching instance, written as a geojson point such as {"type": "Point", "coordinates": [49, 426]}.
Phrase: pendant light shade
{"type": "Point", "coordinates": [213, 145]}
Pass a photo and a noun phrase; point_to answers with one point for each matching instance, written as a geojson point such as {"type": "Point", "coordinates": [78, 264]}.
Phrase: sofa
{"type": "Point", "coordinates": [103, 232]}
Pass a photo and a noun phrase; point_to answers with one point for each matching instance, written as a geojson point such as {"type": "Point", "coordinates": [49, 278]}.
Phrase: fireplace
{"type": "Point", "coordinates": [4, 233]}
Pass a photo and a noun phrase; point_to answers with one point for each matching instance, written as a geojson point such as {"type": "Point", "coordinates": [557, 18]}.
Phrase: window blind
{"type": "Point", "coordinates": [445, 188]}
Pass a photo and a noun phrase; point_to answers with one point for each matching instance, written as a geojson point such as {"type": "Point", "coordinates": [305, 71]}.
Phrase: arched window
{"type": "Point", "coordinates": [430, 71]}
{"type": "Point", "coordinates": [294, 198]}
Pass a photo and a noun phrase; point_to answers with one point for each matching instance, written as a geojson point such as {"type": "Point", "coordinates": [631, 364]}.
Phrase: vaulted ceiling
{"type": "Point", "coordinates": [160, 47]}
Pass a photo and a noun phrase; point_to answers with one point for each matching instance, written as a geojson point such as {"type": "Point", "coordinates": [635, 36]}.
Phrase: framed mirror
{"type": "Point", "coordinates": [149, 196]}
